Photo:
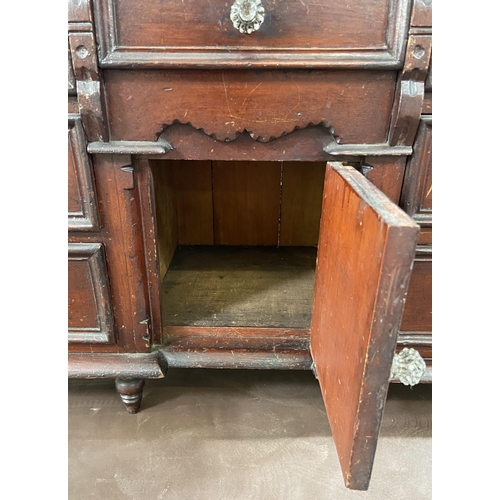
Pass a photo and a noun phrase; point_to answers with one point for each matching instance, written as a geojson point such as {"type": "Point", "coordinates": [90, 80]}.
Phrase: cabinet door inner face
{"type": "Point", "coordinates": [365, 253]}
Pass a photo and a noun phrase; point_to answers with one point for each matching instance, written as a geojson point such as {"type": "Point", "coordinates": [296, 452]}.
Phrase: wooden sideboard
{"type": "Point", "coordinates": [249, 186]}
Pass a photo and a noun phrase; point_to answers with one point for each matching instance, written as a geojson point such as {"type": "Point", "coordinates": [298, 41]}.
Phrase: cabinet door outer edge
{"type": "Point", "coordinates": [365, 254]}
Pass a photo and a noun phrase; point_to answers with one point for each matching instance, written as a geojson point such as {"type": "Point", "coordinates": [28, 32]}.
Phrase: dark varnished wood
{"type": "Point", "coordinates": [122, 237]}
{"type": "Point", "coordinates": [417, 315]}
{"type": "Point", "coordinates": [386, 173]}
{"type": "Point", "coordinates": [421, 14]}
{"type": "Point", "coordinates": [92, 365]}
{"type": "Point", "coordinates": [90, 319]}
{"type": "Point", "coordinates": [416, 195]}
{"type": "Point", "coordinates": [265, 103]}
{"type": "Point", "coordinates": [82, 210]}
{"type": "Point", "coordinates": [154, 33]}
{"type": "Point", "coordinates": [365, 251]}
{"type": "Point", "coordinates": [130, 391]}
{"type": "Point", "coordinates": [410, 91]}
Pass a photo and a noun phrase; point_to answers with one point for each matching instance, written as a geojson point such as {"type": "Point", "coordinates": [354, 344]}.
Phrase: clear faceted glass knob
{"type": "Point", "coordinates": [247, 15]}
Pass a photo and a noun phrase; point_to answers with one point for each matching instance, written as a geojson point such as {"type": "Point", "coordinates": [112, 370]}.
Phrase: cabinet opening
{"type": "Point", "coordinates": [237, 243]}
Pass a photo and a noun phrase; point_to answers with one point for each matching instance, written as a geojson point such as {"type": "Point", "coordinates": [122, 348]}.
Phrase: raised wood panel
{"type": "Point", "coordinates": [82, 210]}
{"type": "Point", "coordinates": [90, 318]}
{"type": "Point", "coordinates": [246, 202]}
{"type": "Point", "coordinates": [421, 14]}
{"type": "Point", "coordinates": [416, 198]}
{"type": "Point", "coordinates": [386, 173]}
{"type": "Point", "coordinates": [365, 251]}
{"type": "Point", "coordinates": [301, 198]}
{"type": "Point", "coordinates": [365, 33]}
{"type": "Point", "coordinates": [267, 104]}
{"type": "Point", "coordinates": [417, 314]}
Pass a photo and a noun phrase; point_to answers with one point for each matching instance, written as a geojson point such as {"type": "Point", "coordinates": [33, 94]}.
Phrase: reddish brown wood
{"type": "Point", "coordinates": [90, 319]}
{"type": "Point", "coordinates": [365, 251]}
{"type": "Point", "coordinates": [92, 365]}
{"type": "Point", "coordinates": [301, 197]}
{"type": "Point", "coordinates": [386, 173]}
{"type": "Point", "coordinates": [265, 103]}
{"type": "Point", "coordinates": [146, 194]}
{"type": "Point", "coordinates": [416, 195]}
{"type": "Point", "coordinates": [122, 236]}
{"type": "Point", "coordinates": [191, 144]}
{"type": "Point", "coordinates": [79, 11]}
{"type": "Point", "coordinates": [130, 391]}
{"type": "Point", "coordinates": [190, 183]}
{"type": "Point", "coordinates": [410, 91]}
{"type": "Point", "coordinates": [246, 203]}
{"type": "Point", "coordinates": [82, 210]}
{"type": "Point", "coordinates": [156, 33]}
{"type": "Point", "coordinates": [417, 314]}
{"type": "Point", "coordinates": [421, 14]}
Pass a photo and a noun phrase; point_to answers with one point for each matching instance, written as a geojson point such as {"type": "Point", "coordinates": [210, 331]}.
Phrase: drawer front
{"type": "Point", "coordinates": [284, 33]}
{"type": "Point", "coordinates": [90, 318]}
{"type": "Point", "coordinates": [82, 211]}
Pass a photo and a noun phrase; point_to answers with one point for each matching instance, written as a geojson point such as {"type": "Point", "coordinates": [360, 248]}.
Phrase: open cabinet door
{"type": "Point", "coordinates": [365, 254]}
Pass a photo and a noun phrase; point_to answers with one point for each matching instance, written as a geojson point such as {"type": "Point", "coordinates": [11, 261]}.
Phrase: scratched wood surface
{"type": "Point", "coordinates": [267, 103]}
{"type": "Point", "coordinates": [365, 251]}
{"type": "Point", "coordinates": [238, 286]}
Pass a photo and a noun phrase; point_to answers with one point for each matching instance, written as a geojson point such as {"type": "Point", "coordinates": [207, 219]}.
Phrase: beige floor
{"type": "Point", "coordinates": [236, 435]}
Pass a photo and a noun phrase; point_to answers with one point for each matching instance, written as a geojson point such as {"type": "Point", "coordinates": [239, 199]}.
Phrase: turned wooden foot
{"type": "Point", "coordinates": [130, 390]}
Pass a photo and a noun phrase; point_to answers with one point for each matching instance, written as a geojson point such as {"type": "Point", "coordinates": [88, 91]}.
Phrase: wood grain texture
{"type": "Point", "coordinates": [92, 365]}
{"type": "Point", "coordinates": [145, 188]}
{"type": "Point", "coordinates": [191, 185]}
{"type": "Point", "coordinates": [365, 252]}
{"type": "Point", "coordinates": [90, 318]}
{"type": "Point", "coordinates": [417, 314]}
{"type": "Point", "coordinates": [266, 103]}
{"type": "Point", "coordinates": [165, 213]}
{"type": "Point", "coordinates": [246, 202]}
{"type": "Point", "coordinates": [122, 236]}
{"type": "Point", "coordinates": [421, 14]}
{"type": "Point", "coordinates": [237, 287]}
{"type": "Point", "coordinates": [192, 144]}
{"type": "Point", "coordinates": [416, 194]}
{"type": "Point", "coordinates": [386, 174]}
{"type": "Point", "coordinates": [82, 209]}
{"type": "Point", "coordinates": [163, 33]}
{"type": "Point", "coordinates": [410, 91]}
{"type": "Point", "coordinates": [301, 198]}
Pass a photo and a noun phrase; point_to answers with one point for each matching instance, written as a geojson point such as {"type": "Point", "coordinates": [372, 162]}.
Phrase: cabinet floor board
{"type": "Point", "coordinates": [239, 286]}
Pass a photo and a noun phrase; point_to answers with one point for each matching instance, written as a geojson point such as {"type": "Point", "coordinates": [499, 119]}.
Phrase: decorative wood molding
{"type": "Point", "coordinates": [88, 281]}
{"type": "Point", "coordinates": [266, 104]}
{"type": "Point", "coordinates": [88, 84]}
{"type": "Point", "coordinates": [129, 147]}
{"type": "Point", "coordinates": [151, 365]}
{"type": "Point", "coordinates": [410, 91]}
{"type": "Point", "coordinates": [377, 42]}
{"type": "Point", "coordinates": [81, 192]}
{"type": "Point", "coordinates": [416, 196]}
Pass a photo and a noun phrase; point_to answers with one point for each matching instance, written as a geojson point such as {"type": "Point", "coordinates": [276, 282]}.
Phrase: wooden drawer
{"type": "Point", "coordinates": [82, 210]}
{"type": "Point", "coordinates": [191, 33]}
{"type": "Point", "coordinates": [90, 318]}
